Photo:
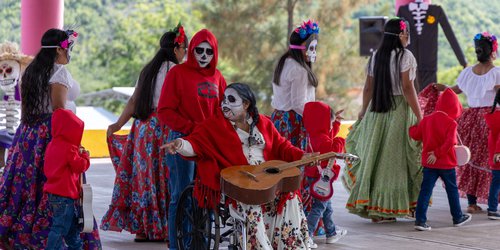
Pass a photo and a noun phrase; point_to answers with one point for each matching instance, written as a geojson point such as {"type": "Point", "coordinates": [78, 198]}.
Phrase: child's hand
{"type": "Point", "coordinates": [338, 116]}
{"type": "Point", "coordinates": [496, 158]}
{"type": "Point", "coordinates": [431, 158]}
{"type": "Point", "coordinates": [82, 150]}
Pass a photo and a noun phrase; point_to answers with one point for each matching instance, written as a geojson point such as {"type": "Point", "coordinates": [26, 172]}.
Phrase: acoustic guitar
{"type": "Point", "coordinates": [259, 184]}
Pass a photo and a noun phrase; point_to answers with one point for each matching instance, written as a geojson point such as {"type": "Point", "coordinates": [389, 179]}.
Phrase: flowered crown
{"type": "Point", "coordinates": [488, 37]}
{"type": "Point", "coordinates": [180, 36]}
{"type": "Point", "coordinates": [307, 28]}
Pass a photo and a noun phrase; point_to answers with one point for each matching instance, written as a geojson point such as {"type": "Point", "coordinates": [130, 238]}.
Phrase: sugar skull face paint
{"type": "Point", "coordinates": [232, 105]}
{"type": "Point", "coordinates": [204, 54]}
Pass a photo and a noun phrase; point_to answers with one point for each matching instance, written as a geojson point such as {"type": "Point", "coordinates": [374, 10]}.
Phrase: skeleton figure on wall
{"type": "Point", "coordinates": [424, 17]}
{"type": "Point", "coordinates": [12, 64]}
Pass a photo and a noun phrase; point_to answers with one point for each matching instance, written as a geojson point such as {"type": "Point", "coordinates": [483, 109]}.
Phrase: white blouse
{"type": "Point", "coordinates": [407, 62]}
{"type": "Point", "coordinates": [160, 79]}
{"type": "Point", "coordinates": [294, 90]}
{"type": "Point", "coordinates": [254, 153]}
{"type": "Point", "coordinates": [479, 89]}
{"type": "Point", "coordinates": [62, 76]}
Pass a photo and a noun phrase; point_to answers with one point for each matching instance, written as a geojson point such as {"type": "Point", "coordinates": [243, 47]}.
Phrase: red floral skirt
{"type": "Point", "coordinates": [474, 178]}
{"type": "Point", "coordinates": [140, 196]}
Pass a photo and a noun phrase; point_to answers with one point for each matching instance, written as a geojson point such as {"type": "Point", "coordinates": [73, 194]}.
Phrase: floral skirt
{"type": "Point", "coordinates": [475, 177]}
{"type": "Point", "coordinates": [290, 125]}
{"type": "Point", "coordinates": [268, 229]}
{"type": "Point", "coordinates": [140, 196]}
{"type": "Point", "coordinates": [25, 217]}
{"type": "Point", "coordinates": [386, 181]}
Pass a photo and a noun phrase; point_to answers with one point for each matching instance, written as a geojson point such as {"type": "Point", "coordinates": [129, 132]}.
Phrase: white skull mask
{"type": "Point", "coordinates": [203, 54]}
{"type": "Point", "coordinates": [311, 50]}
{"type": "Point", "coordinates": [10, 71]}
{"type": "Point", "coordinates": [232, 105]}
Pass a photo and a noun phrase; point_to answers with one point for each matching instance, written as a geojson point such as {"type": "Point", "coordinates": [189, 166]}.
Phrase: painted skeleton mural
{"type": "Point", "coordinates": [12, 64]}
{"type": "Point", "coordinates": [424, 17]}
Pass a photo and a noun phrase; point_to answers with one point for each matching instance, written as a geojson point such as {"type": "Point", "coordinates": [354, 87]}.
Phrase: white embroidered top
{"type": "Point", "coordinates": [479, 89]}
{"type": "Point", "coordinates": [294, 90]}
{"type": "Point", "coordinates": [254, 153]}
{"type": "Point", "coordinates": [407, 62]}
{"type": "Point", "coordinates": [62, 76]}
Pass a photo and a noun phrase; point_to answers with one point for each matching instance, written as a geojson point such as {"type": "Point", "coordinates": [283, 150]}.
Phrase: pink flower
{"type": "Point", "coordinates": [64, 44]}
{"type": "Point", "coordinates": [402, 25]}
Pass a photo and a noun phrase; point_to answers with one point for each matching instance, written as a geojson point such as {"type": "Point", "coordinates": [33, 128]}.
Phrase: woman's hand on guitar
{"type": "Point", "coordinates": [172, 146]}
{"type": "Point", "coordinates": [310, 155]}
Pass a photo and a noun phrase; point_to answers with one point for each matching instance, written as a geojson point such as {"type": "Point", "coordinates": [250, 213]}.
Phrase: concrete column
{"type": "Point", "coordinates": [37, 16]}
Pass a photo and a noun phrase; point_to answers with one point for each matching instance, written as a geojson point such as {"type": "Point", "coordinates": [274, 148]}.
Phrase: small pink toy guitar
{"type": "Point", "coordinates": [322, 188]}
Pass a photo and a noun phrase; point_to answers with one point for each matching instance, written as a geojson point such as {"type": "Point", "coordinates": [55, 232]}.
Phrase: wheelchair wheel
{"type": "Point", "coordinates": [197, 228]}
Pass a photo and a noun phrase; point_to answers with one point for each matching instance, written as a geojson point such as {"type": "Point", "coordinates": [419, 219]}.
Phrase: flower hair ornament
{"type": "Point", "coordinates": [66, 44]}
{"type": "Point", "coordinates": [180, 36]}
{"type": "Point", "coordinates": [403, 25]}
{"type": "Point", "coordinates": [308, 27]}
{"type": "Point", "coordinates": [488, 37]}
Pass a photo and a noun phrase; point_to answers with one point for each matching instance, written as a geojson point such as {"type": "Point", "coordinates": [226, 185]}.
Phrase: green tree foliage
{"type": "Point", "coordinates": [118, 37]}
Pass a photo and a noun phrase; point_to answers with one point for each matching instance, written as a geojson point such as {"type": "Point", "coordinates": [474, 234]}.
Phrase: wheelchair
{"type": "Point", "coordinates": [206, 228]}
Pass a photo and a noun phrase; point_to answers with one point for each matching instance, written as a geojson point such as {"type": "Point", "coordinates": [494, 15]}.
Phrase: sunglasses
{"type": "Point", "coordinates": [200, 51]}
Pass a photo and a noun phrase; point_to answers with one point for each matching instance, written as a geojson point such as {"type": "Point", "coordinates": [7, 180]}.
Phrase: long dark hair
{"type": "Point", "coordinates": [35, 91]}
{"type": "Point", "coordinates": [147, 80]}
{"type": "Point", "coordinates": [297, 55]}
{"type": "Point", "coordinates": [496, 101]}
{"type": "Point", "coordinates": [483, 49]}
{"type": "Point", "coordinates": [248, 96]}
{"type": "Point", "coordinates": [382, 97]}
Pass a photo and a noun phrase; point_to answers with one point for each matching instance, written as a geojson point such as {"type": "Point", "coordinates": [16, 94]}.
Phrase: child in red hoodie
{"type": "Point", "coordinates": [322, 125]}
{"type": "Point", "coordinates": [493, 122]}
{"type": "Point", "coordinates": [438, 132]}
{"type": "Point", "coordinates": [65, 161]}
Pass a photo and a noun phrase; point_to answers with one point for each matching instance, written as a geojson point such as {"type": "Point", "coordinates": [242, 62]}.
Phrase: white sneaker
{"type": "Point", "coordinates": [311, 243]}
{"type": "Point", "coordinates": [340, 233]}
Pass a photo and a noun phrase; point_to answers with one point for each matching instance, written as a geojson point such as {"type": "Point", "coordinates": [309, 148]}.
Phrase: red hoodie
{"type": "Point", "coordinates": [63, 163]}
{"type": "Point", "coordinates": [191, 94]}
{"type": "Point", "coordinates": [316, 118]}
{"type": "Point", "coordinates": [493, 121]}
{"type": "Point", "coordinates": [438, 131]}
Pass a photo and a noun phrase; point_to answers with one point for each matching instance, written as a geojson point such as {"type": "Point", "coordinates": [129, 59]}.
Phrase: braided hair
{"type": "Point", "coordinates": [248, 96]}
{"type": "Point", "coordinates": [496, 101]}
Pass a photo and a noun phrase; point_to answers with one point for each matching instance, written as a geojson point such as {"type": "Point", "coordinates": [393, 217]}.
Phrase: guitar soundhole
{"type": "Point", "coordinates": [272, 170]}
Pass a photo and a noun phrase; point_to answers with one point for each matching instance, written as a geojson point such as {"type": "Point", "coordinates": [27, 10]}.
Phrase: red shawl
{"type": "Point", "coordinates": [218, 146]}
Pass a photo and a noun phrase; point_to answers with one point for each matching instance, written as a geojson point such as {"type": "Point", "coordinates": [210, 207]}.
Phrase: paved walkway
{"type": "Point", "coordinates": [479, 234]}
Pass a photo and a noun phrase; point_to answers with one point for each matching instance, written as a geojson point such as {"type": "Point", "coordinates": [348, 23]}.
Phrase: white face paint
{"type": "Point", "coordinates": [10, 71]}
{"type": "Point", "coordinates": [232, 105]}
{"type": "Point", "coordinates": [311, 50]}
{"type": "Point", "coordinates": [203, 54]}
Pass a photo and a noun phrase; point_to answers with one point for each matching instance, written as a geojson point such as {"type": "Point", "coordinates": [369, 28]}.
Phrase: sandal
{"type": "Point", "coordinates": [474, 209]}
{"type": "Point", "coordinates": [380, 220]}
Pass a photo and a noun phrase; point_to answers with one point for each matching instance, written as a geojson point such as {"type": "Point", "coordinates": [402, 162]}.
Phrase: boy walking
{"type": "Point", "coordinates": [438, 132]}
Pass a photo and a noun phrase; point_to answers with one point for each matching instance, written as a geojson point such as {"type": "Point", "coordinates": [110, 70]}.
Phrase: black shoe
{"type": "Point", "coordinates": [494, 215]}
{"type": "Point", "coordinates": [422, 226]}
{"type": "Point", "coordinates": [465, 218]}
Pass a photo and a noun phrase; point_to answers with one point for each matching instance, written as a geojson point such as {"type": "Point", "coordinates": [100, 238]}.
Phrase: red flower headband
{"type": "Point", "coordinates": [402, 25]}
{"type": "Point", "coordinates": [180, 36]}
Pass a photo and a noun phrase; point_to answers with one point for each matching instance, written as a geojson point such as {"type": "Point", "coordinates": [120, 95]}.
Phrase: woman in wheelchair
{"type": "Point", "coordinates": [239, 135]}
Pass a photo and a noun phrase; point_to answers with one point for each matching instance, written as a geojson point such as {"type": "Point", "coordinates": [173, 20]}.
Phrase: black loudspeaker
{"type": "Point", "coordinates": [371, 31]}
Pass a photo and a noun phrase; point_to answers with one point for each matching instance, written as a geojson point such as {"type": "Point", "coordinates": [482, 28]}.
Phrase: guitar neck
{"type": "Point", "coordinates": [307, 160]}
